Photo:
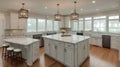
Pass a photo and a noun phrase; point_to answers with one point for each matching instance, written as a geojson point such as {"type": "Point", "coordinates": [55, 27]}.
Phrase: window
{"type": "Point", "coordinates": [41, 25]}
{"type": "Point", "coordinates": [31, 25]}
{"type": "Point", "coordinates": [100, 24]}
{"type": "Point", "coordinates": [56, 25]}
{"type": "Point", "coordinates": [80, 24]}
{"type": "Point", "coordinates": [88, 24]}
{"type": "Point", "coordinates": [75, 26]}
{"type": "Point", "coordinates": [114, 24]}
{"type": "Point", "coordinates": [49, 25]}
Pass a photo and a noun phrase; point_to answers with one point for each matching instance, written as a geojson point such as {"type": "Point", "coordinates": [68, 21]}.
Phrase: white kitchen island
{"type": "Point", "coordinates": [71, 51]}
{"type": "Point", "coordinates": [29, 47]}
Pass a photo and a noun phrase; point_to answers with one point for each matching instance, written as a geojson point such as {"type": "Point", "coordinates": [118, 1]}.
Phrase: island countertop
{"type": "Point", "coordinates": [22, 41]}
{"type": "Point", "coordinates": [71, 39]}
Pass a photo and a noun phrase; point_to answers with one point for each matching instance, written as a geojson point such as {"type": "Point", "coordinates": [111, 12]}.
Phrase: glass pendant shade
{"type": "Point", "coordinates": [57, 17]}
{"type": "Point", "coordinates": [23, 13]}
{"type": "Point", "coordinates": [74, 15]}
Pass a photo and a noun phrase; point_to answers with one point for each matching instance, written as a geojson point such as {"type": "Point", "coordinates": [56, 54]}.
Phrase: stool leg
{"type": "Point", "coordinates": [3, 52]}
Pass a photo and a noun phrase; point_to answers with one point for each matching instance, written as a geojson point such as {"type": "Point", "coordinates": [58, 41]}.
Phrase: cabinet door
{"type": "Point", "coordinates": [69, 55]}
{"type": "Point", "coordinates": [86, 48]}
{"type": "Point", "coordinates": [47, 46]}
{"type": "Point", "coordinates": [60, 52]}
{"type": "Point", "coordinates": [35, 51]}
{"type": "Point", "coordinates": [115, 41]}
{"type": "Point", "coordinates": [92, 41]}
{"type": "Point", "coordinates": [1, 31]}
{"type": "Point", "coordinates": [52, 48]}
{"type": "Point", "coordinates": [14, 20]}
{"type": "Point", "coordinates": [81, 52]}
{"type": "Point", "coordinates": [99, 42]}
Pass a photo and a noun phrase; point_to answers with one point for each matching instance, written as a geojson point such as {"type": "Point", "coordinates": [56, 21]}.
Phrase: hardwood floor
{"type": "Point", "coordinates": [99, 57]}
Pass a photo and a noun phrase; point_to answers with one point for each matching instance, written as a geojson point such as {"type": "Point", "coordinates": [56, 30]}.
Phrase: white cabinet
{"type": "Point", "coordinates": [69, 55]}
{"type": "Point", "coordinates": [92, 41]}
{"type": "Point", "coordinates": [115, 41]}
{"type": "Point", "coordinates": [60, 51]}
{"type": "Point", "coordinates": [46, 45]}
{"type": "Point", "coordinates": [96, 41]}
{"type": "Point", "coordinates": [35, 50]}
{"type": "Point", "coordinates": [29, 47]}
{"type": "Point", "coordinates": [52, 48]}
{"type": "Point", "coordinates": [81, 52]}
{"type": "Point", "coordinates": [14, 20]}
{"type": "Point", "coordinates": [16, 23]}
{"type": "Point", "coordinates": [1, 30]}
{"type": "Point", "coordinates": [86, 48]}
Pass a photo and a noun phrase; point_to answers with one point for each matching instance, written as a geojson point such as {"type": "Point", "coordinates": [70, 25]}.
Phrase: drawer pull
{"type": "Point", "coordinates": [55, 47]}
{"type": "Point", "coordinates": [65, 50]}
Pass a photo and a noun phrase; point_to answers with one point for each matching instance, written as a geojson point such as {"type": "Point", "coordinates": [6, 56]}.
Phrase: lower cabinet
{"type": "Point", "coordinates": [52, 49]}
{"type": "Point", "coordinates": [72, 55]}
{"type": "Point", "coordinates": [47, 46]}
{"type": "Point", "coordinates": [69, 55]}
{"type": "Point", "coordinates": [81, 52]}
{"type": "Point", "coordinates": [115, 41]}
{"type": "Point", "coordinates": [96, 41]}
{"type": "Point", "coordinates": [60, 52]}
{"type": "Point", "coordinates": [86, 48]}
{"type": "Point", "coordinates": [35, 51]}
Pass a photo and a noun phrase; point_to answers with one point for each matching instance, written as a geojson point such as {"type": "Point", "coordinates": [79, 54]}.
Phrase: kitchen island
{"type": "Point", "coordinates": [29, 47]}
{"type": "Point", "coordinates": [71, 51]}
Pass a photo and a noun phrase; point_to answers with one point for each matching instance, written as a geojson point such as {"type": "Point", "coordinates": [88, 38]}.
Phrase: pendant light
{"type": "Point", "coordinates": [57, 16]}
{"type": "Point", "coordinates": [23, 13]}
{"type": "Point", "coordinates": [74, 15]}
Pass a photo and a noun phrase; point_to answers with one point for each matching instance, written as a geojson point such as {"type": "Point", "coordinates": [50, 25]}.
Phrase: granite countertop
{"type": "Point", "coordinates": [71, 39]}
{"type": "Point", "coordinates": [21, 41]}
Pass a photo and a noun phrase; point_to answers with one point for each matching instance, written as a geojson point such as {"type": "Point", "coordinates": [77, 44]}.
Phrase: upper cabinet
{"type": "Point", "coordinates": [16, 26]}
{"type": "Point", "coordinates": [16, 23]}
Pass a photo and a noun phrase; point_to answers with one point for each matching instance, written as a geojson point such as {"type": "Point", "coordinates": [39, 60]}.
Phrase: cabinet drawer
{"type": "Point", "coordinates": [59, 43]}
{"type": "Point", "coordinates": [67, 45]}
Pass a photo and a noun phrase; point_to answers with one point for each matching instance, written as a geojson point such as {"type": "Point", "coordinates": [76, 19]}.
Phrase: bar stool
{"type": "Point", "coordinates": [4, 50]}
{"type": "Point", "coordinates": [17, 55]}
{"type": "Point", "coordinates": [10, 53]}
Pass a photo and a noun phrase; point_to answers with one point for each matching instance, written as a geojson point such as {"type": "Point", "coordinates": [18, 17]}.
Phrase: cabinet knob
{"type": "Point", "coordinates": [55, 47]}
{"type": "Point", "coordinates": [65, 50]}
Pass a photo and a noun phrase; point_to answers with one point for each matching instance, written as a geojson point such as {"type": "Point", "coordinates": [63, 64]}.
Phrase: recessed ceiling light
{"type": "Point", "coordinates": [97, 9]}
{"type": "Point", "coordinates": [46, 7]}
{"type": "Point", "coordinates": [93, 1]}
{"type": "Point", "coordinates": [81, 9]}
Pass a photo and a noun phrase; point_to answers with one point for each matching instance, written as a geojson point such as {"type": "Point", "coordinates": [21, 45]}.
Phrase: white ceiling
{"type": "Point", "coordinates": [66, 6]}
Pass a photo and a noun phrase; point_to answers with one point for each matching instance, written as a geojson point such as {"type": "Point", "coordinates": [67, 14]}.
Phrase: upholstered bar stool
{"type": "Point", "coordinates": [10, 53]}
{"type": "Point", "coordinates": [4, 50]}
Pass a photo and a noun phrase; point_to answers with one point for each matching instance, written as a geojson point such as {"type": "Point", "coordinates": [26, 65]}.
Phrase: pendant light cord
{"type": "Point", "coordinates": [57, 8]}
{"type": "Point", "coordinates": [23, 5]}
{"type": "Point", "coordinates": [75, 6]}
{"type": "Point", "coordinates": [119, 10]}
